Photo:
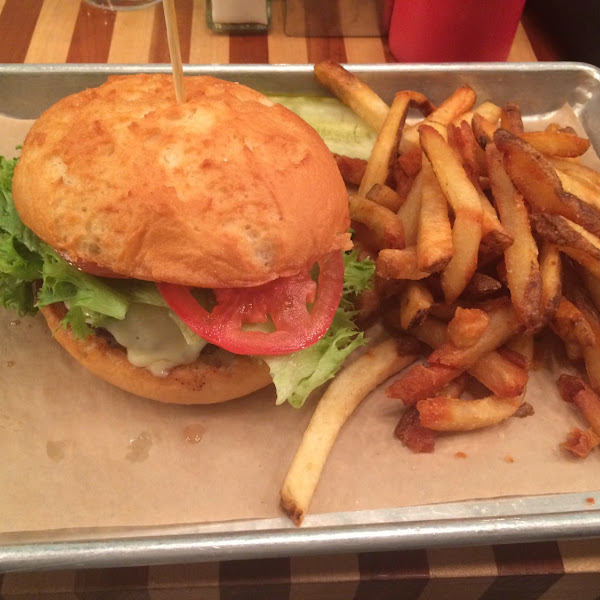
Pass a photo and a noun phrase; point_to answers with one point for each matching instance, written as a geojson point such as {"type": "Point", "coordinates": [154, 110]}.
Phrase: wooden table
{"type": "Point", "coordinates": [67, 31]}
{"type": "Point", "coordinates": [59, 31]}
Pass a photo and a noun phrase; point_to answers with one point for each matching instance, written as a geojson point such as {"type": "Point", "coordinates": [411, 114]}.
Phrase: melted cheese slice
{"type": "Point", "coordinates": [154, 339]}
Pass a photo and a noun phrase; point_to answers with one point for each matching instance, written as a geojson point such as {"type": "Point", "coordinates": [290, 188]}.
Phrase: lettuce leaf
{"type": "Point", "coordinates": [25, 259]}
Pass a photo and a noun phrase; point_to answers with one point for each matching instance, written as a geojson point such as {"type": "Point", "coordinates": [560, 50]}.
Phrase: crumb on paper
{"type": "Point", "coordinates": [590, 500]}
{"type": "Point", "coordinates": [509, 459]}
{"type": "Point", "coordinates": [460, 455]}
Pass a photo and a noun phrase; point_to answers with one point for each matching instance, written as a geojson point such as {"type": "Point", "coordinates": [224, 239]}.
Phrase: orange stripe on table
{"type": "Point", "coordinates": [17, 23]}
{"type": "Point", "coordinates": [322, 48]}
{"type": "Point", "coordinates": [91, 38]}
{"type": "Point", "coordinates": [248, 49]}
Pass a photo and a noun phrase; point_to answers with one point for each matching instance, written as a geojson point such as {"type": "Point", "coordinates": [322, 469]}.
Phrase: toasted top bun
{"type": "Point", "coordinates": [226, 189]}
{"type": "Point", "coordinates": [216, 376]}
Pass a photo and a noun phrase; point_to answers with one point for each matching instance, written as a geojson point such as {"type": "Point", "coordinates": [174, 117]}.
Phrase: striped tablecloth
{"type": "Point", "coordinates": [59, 31]}
{"type": "Point", "coordinates": [540, 571]}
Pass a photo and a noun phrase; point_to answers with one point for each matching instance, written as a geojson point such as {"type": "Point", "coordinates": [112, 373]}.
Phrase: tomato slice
{"type": "Point", "coordinates": [283, 301]}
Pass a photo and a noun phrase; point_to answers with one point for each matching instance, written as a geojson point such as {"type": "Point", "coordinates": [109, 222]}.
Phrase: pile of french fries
{"type": "Point", "coordinates": [486, 238]}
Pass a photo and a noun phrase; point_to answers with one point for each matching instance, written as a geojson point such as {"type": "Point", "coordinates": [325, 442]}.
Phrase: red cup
{"type": "Point", "coordinates": [453, 30]}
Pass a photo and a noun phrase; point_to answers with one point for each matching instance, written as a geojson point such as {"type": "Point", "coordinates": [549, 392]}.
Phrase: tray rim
{"type": "Point", "coordinates": [277, 537]}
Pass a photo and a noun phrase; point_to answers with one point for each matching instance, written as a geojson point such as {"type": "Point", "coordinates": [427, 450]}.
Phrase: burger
{"type": "Point", "coordinates": [187, 252]}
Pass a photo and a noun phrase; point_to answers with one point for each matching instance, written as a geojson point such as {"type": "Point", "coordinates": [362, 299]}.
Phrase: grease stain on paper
{"type": "Point", "coordinates": [193, 433]}
{"type": "Point", "coordinates": [56, 450]}
{"type": "Point", "coordinates": [139, 447]}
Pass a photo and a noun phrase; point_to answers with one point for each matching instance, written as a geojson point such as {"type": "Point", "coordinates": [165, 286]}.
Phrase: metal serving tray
{"type": "Point", "coordinates": [542, 89]}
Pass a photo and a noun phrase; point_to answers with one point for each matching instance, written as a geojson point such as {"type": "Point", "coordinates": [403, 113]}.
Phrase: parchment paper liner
{"type": "Point", "coordinates": [80, 453]}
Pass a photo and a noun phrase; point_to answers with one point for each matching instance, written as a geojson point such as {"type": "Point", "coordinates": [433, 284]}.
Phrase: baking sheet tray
{"type": "Point", "coordinates": [541, 90]}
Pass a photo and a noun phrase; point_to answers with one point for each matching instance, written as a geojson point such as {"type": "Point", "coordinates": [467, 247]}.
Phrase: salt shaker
{"type": "Point", "coordinates": [242, 16]}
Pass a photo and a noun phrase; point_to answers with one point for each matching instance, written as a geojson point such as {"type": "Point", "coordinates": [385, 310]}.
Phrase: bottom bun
{"type": "Point", "coordinates": [216, 376]}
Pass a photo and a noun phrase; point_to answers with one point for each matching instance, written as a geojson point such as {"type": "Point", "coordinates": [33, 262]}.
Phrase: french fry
{"type": "Point", "coordinates": [353, 92]}
{"type": "Point", "coordinates": [463, 141]}
{"type": "Point", "coordinates": [580, 443]}
{"type": "Point", "coordinates": [511, 118]}
{"type": "Point", "coordinates": [467, 326]}
{"type": "Point", "coordinates": [589, 262]}
{"type": "Point", "coordinates": [574, 389]}
{"type": "Point", "coordinates": [524, 345]}
{"type": "Point", "coordinates": [500, 375]}
{"type": "Point", "coordinates": [586, 191]}
{"type": "Point", "coordinates": [503, 324]}
{"type": "Point", "coordinates": [454, 414]}
{"type": "Point", "coordinates": [559, 230]}
{"type": "Point", "coordinates": [488, 110]}
{"type": "Point", "coordinates": [415, 302]}
{"type": "Point", "coordinates": [576, 170]}
{"type": "Point", "coordinates": [421, 381]}
{"type": "Point", "coordinates": [434, 235]}
{"type": "Point", "coordinates": [468, 213]}
{"type": "Point", "coordinates": [557, 143]}
{"type": "Point", "coordinates": [483, 234]}
{"type": "Point", "coordinates": [368, 305]}
{"type": "Point", "coordinates": [444, 312]}
{"type": "Point", "coordinates": [400, 181]}
{"type": "Point", "coordinates": [385, 224]}
{"type": "Point", "coordinates": [553, 127]}
{"type": "Point", "coordinates": [399, 264]}
{"type": "Point", "coordinates": [592, 285]}
{"type": "Point", "coordinates": [456, 387]}
{"type": "Point", "coordinates": [352, 170]}
{"type": "Point", "coordinates": [457, 104]}
{"type": "Point", "coordinates": [551, 273]}
{"type": "Point", "coordinates": [411, 161]}
{"type": "Point", "coordinates": [412, 434]}
{"type": "Point", "coordinates": [537, 181]}
{"type": "Point", "coordinates": [410, 210]}
{"type": "Point", "coordinates": [339, 401]}
{"type": "Point", "coordinates": [495, 237]}
{"type": "Point", "coordinates": [384, 150]}
{"type": "Point", "coordinates": [591, 354]}
{"type": "Point", "coordinates": [385, 196]}
{"type": "Point", "coordinates": [570, 324]}
{"type": "Point", "coordinates": [496, 372]}
{"type": "Point", "coordinates": [521, 257]}
{"type": "Point", "coordinates": [481, 287]}
{"type": "Point", "coordinates": [483, 130]}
